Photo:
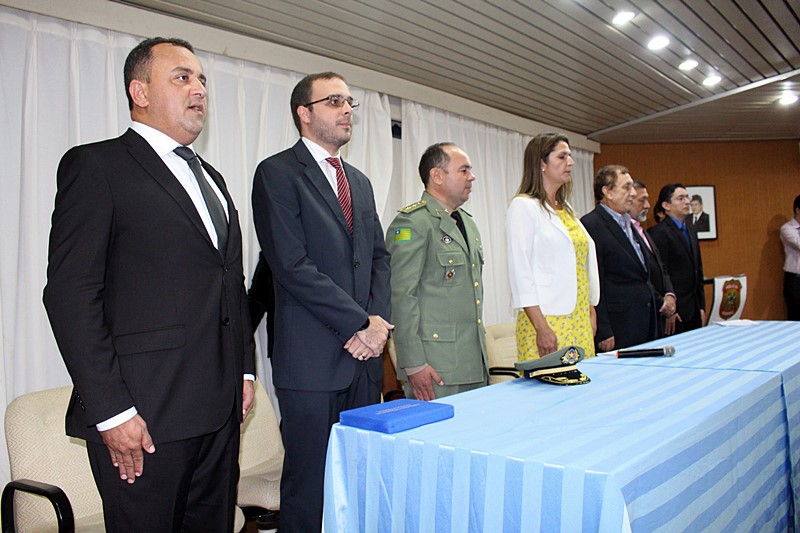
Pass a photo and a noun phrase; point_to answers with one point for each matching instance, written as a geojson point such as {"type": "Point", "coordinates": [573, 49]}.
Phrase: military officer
{"type": "Point", "coordinates": [437, 290]}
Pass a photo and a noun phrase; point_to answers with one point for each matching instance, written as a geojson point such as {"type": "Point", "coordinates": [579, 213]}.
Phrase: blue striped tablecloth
{"type": "Point", "coordinates": [639, 448]}
{"type": "Point", "coordinates": [763, 347]}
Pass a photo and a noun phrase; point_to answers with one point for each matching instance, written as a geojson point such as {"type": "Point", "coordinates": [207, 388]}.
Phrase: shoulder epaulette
{"type": "Point", "coordinates": [413, 207]}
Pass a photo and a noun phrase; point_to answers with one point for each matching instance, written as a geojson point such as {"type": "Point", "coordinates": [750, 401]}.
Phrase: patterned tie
{"type": "Point", "coordinates": [212, 200]}
{"type": "Point", "coordinates": [343, 191]}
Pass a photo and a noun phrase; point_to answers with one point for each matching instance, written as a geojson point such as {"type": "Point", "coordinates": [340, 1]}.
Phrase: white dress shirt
{"type": "Point", "coordinates": [320, 155]}
{"type": "Point", "coordinates": [790, 236]}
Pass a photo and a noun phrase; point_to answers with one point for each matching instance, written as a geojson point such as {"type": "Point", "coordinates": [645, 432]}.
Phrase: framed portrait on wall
{"type": "Point", "coordinates": [703, 211]}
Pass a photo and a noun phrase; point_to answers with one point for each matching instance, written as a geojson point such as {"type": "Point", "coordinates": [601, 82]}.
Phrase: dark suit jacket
{"type": "Point", "coordinates": [626, 309]}
{"type": "Point", "coordinates": [327, 281]}
{"type": "Point", "coordinates": [703, 223]}
{"type": "Point", "coordinates": [145, 311]}
{"type": "Point", "coordinates": [261, 300]}
{"type": "Point", "coordinates": [659, 277]}
{"type": "Point", "coordinates": [685, 268]}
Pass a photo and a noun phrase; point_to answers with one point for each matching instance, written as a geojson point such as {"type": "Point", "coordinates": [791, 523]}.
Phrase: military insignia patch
{"type": "Point", "coordinates": [402, 234]}
{"type": "Point", "coordinates": [413, 207]}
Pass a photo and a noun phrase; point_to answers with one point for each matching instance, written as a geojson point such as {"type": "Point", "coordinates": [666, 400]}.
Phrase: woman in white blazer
{"type": "Point", "coordinates": [552, 262]}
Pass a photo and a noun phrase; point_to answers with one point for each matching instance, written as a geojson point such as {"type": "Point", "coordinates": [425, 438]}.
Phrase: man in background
{"type": "Point", "coordinates": [320, 234]}
{"type": "Point", "coordinates": [659, 277]}
{"type": "Point", "coordinates": [626, 313]}
{"type": "Point", "coordinates": [145, 297]}
{"type": "Point", "coordinates": [790, 237]}
{"type": "Point", "coordinates": [437, 289]}
{"type": "Point", "coordinates": [680, 252]}
{"type": "Point", "coordinates": [699, 220]}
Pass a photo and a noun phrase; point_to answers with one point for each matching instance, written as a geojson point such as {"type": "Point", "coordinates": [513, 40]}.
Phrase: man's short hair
{"type": "Point", "coordinates": [667, 191]}
{"type": "Point", "coordinates": [607, 177]}
{"type": "Point", "coordinates": [301, 94]}
{"type": "Point", "coordinates": [435, 156]}
{"type": "Point", "coordinates": [796, 204]}
{"type": "Point", "coordinates": [137, 64]}
{"type": "Point", "coordinates": [697, 198]}
{"type": "Point", "coordinates": [639, 185]}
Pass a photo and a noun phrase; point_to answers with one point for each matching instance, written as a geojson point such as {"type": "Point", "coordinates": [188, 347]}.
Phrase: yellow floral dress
{"type": "Point", "coordinates": [574, 328]}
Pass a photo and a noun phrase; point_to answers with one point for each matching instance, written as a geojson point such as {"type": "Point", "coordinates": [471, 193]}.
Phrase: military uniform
{"type": "Point", "coordinates": [437, 295]}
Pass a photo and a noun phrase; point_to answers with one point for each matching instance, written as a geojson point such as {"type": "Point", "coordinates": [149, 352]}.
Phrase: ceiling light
{"type": "Point", "coordinates": [657, 43]}
{"type": "Point", "coordinates": [711, 80]}
{"type": "Point", "coordinates": [788, 98]}
{"type": "Point", "coordinates": [622, 17]}
{"type": "Point", "coordinates": [689, 64]}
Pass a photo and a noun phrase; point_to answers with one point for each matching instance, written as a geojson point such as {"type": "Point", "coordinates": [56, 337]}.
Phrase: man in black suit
{"type": "Point", "coordinates": [699, 220]}
{"type": "Point", "coordinates": [680, 252]}
{"type": "Point", "coordinates": [319, 231]}
{"type": "Point", "coordinates": [626, 313]}
{"type": "Point", "coordinates": [659, 277]}
{"type": "Point", "coordinates": [146, 299]}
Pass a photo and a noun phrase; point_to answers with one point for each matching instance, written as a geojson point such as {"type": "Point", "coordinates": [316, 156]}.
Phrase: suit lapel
{"type": "Point", "coordinates": [619, 234]}
{"type": "Point", "coordinates": [318, 180]}
{"type": "Point", "coordinates": [447, 224]}
{"type": "Point", "coordinates": [149, 160]}
{"type": "Point", "coordinates": [678, 234]}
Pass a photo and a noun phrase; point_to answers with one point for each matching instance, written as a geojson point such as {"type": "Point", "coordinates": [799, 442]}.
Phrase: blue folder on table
{"type": "Point", "coordinates": [397, 415]}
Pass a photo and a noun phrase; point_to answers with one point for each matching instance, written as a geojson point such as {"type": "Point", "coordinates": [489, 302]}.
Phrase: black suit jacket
{"type": "Point", "coordinates": [703, 223]}
{"type": "Point", "coordinates": [659, 277]}
{"type": "Point", "coordinates": [145, 311]}
{"type": "Point", "coordinates": [626, 309]}
{"type": "Point", "coordinates": [327, 281]}
{"type": "Point", "coordinates": [685, 267]}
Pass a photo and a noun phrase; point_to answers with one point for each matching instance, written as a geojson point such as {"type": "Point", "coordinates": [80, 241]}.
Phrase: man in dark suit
{"type": "Point", "coordinates": [146, 299]}
{"type": "Point", "coordinates": [626, 313]}
{"type": "Point", "coordinates": [659, 277]}
{"type": "Point", "coordinates": [319, 231]}
{"type": "Point", "coordinates": [680, 252]}
{"type": "Point", "coordinates": [699, 220]}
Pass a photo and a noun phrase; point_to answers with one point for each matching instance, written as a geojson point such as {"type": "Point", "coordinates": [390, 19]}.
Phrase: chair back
{"type": "Point", "coordinates": [38, 449]}
{"type": "Point", "coordinates": [501, 352]}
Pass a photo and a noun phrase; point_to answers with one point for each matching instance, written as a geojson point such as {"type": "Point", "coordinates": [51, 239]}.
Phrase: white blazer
{"type": "Point", "coordinates": [541, 259]}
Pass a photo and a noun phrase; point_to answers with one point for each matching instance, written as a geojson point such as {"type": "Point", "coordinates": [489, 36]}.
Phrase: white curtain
{"type": "Point", "coordinates": [496, 156]}
{"type": "Point", "coordinates": [61, 85]}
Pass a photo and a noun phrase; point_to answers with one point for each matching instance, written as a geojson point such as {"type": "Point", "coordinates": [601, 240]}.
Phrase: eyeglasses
{"type": "Point", "coordinates": [336, 100]}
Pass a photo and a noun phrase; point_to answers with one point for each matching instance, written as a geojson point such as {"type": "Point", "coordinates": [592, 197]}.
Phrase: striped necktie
{"type": "Point", "coordinates": [343, 191]}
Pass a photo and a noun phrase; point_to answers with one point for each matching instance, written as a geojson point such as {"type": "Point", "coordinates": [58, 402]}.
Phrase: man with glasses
{"type": "Point", "coordinates": [680, 252]}
{"type": "Point", "coordinates": [320, 234]}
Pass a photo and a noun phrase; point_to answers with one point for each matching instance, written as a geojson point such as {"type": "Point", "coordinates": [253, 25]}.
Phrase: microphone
{"type": "Point", "coordinates": [666, 351]}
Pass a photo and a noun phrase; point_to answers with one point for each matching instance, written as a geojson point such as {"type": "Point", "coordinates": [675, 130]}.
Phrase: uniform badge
{"type": "Point", "coordinates": [450, 273]}
{"type": "Point", "coordinates": [447, 239]}
{"type": "Point", "coordinates": [731, 298]}
{"type": "Point", "coordinates": [402, 234]}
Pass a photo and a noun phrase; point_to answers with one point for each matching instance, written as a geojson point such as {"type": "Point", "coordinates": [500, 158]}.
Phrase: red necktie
{"type": "Point", "coordinates": [343, 191]}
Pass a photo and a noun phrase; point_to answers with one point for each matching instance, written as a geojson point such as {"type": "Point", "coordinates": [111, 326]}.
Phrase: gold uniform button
{"type": "Point", "coordinates": [477, 302]}
{"type": "Point", "coordinates": [473, 265]}
{"type": "Point", "coordinates": [479, 321]}
{"type": "Point", "coordinates": [435, 335]}
{"type": "Point", "coordinates": [476, 284]}
{"type": "Point", "coordinates": [450, 262]}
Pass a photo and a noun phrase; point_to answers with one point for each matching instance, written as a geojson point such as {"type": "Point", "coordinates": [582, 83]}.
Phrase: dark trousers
{"type": "Point", "coordinates": [186, 486]}
{"type": "Point", "coordinates": [791, 293]}
{"type": "Point", "coordinates": [306, 420]}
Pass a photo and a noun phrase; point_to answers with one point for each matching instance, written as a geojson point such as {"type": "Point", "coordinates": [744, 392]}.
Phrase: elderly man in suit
{"type": "Point", "coordinates": [437, 290]}
{"type": "Point", "coordinates": [626, 313]}
{"type": "Point", "coordinates": [677, 244]}
{"type": "Point", "coordinates": [319, 231]}
{"type": "Point", "coordinates": [146, 299]}
{"type": "Point", "coordinates": [659, 277]}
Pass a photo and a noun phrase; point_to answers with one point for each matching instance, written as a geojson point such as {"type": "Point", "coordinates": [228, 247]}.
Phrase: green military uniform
{"type": "Point", "coordinates": [437, 294]}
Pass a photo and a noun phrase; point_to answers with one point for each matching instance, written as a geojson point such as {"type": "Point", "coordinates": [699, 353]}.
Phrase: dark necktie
{"type": "Point", "coordinates": [343, 191]}
{"type": "Point", "coordinates": [685, 232]}
{"type": "Point", "coordinates": [460, 223]}
{"type": "Point", "coordinates": [212, 200]}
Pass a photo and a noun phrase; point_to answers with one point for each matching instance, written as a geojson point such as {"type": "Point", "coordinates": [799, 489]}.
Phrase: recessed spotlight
{"type": "Point", "coordinates": [622, 17]}
{"type": "Point", "coordinates": [788, 98]}
{"type": "Point", "coordinates": [711, 80]}
{"type": "Point", "coordinates": [657, 43]}
{"type": "Point", "coordinates": [689, 64]}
